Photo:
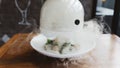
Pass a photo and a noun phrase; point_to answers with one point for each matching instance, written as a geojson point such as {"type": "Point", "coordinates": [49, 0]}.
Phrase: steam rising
{"type": "Point", "coordinates": [88, 35]}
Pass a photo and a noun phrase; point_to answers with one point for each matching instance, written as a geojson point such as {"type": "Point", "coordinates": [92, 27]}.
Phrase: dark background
{"type": "Point", "coordinates": [10, 16]}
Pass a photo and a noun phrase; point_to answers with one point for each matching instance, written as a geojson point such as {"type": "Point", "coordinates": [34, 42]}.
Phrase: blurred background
{"type": "Point", "coordinates": [22, 16]}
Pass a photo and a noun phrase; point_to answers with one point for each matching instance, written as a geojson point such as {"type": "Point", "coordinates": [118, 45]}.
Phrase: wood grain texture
{"type": "Point", "coordinates": [16, 46]}
{"type": "Point", "coordinates": [105, 55]}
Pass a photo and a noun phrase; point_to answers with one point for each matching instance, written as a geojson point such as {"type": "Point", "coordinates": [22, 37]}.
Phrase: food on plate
{"type": "Point", "coordinates": [54, 46]}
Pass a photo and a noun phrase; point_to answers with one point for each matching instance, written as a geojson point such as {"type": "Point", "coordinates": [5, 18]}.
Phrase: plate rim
{"type": "Point", "coordinates": [60, 55]}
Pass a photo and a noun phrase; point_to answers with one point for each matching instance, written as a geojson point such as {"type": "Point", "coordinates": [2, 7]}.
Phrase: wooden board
{"type": "Point", "coordinates": [17, 53]}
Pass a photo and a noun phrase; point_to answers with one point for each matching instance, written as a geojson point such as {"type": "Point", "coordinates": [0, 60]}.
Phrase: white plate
{"type": "Point", "coordinates": [39, 41]}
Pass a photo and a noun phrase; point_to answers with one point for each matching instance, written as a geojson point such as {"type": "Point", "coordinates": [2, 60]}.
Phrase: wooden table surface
{"type": "Point", "coordinates": [17, 53]}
